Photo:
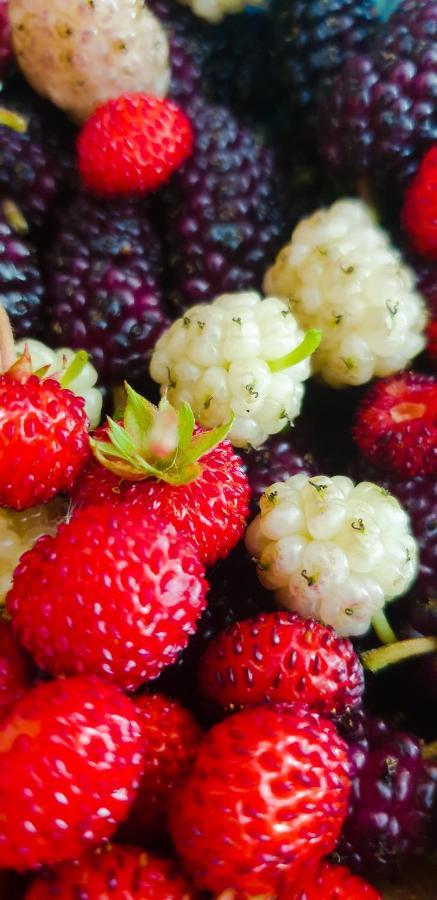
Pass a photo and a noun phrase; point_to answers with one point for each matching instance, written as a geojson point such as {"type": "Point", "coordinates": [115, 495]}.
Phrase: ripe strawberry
{"type": "Point", "coordinates": [15, 669]}
{"type": "Point", "coordinates": [70, 758]}
{"type": "Point", "coordinates": [419, 211]}
{"type": "Point", "coordinates": [266, 796]}
{"type": "Point", "coordinates": [119, 872]}
{"type": "Point", "coordinates": [330, 883]}
{"type": "Point", "coordinates": [170, 739]}
{"type": "Point", "coordinates": [115, 593]}
{"type": "Point", "coordinates": [133, 144]}
{"type": "Point", "coordinates": [279, 656]}
{"type": "Point", "coordinates": [159, 462]}
{"type": "Point", "coordinates": [396, 424]}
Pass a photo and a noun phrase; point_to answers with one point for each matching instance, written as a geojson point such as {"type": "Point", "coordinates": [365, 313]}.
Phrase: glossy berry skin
{"type": "Point", "coordinates": [147, 591]}
{"type": "Point", "coordinates": [121, 872]}
{"type": "Point", "coordinates": [15, 669]}
{"type": "Point", "coordinates": [189, 41]}
{"type": "Point", "coordinates": [133, 144]}
{"type": "Point", "coordinates": [280, 657]}
{"type": "Point", "coordinates": [256, 805]}
{"type": "Point", "coordinates": [210, 511]}
{"type": "Point", "coordinates": [396, 424]}
{"type": "Point", "coordinates": [331, 883]}
{"type": "Point", "coordinates": [70, 758]}
{"type": "Point", "coordinates": [419, 211]}
{"type": "Point", "coordinates": [43, 438]}
{"type": "Point", "coordinates": [21, 285]}
{"type": "Point", "coordinates": [170, 739]}
{"type": "Point", "coordinates": [104, 284]}
{"type": "Point", "coordinates": [282, 456]}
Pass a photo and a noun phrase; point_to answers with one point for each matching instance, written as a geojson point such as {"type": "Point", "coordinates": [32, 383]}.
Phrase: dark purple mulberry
{"type": "Point", "coordinates": [188, 39]}
{"type": "Point", "coordinates": [381, 112]}
{"type": "Point", "coordinates": [222, 214]}
{"type": "Point", "coordinates": [21, 288]}
{"type": "Point", "coordinates": [283, 455]}
{"type": "Point", "coordinates": [103, 276]}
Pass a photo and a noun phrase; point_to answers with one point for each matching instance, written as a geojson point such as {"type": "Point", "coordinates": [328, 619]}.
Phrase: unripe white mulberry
{"type": "Point", "coordinates": [220, 359]}
{"type": "Point", "coordinates": [20, 530]}
{"type": "Point", "coordinates": [333, 550]}
{"type": "Point", "coordinates": [215, 10]}
{"type": "Point", "coordinates": [340, 273]}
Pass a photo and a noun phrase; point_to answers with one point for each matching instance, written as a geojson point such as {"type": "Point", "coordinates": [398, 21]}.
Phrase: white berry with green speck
{"type": "Point", "coordinates": [79, 53]}
{"type": "Point", "coordinates": [83, 384]}
{"type": "Point", "coordinates": [215, 10]}
{"type": "Point", "coordinates": [340, 273]}
{"type": "Point", "coordinates": [333, 550]}
{"type": "Point", "coordinates": [220, 358]}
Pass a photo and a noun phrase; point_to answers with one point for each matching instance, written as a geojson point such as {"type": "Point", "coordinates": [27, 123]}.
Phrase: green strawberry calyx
{"type": "Point", "coordinates": [156, 442]}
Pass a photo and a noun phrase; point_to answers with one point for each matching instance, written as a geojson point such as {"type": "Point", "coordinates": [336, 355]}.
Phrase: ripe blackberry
{"type": "Point", "coordinates": [222, 215]}
{"type": "Point", "coordinates": [187, 37]}
{"type": "Point", "coordinates": [393, 803]}
{"type": "Point", "coordinates": [380, 111]}
{"type": "Point", "coordinates": [21, 288]}
{"type": "Point", "coordinates": [313, 40]}
{"type": "Point", "coordinates": [282, 456]}
{"type": "Point", "coordinates": [103, 277]}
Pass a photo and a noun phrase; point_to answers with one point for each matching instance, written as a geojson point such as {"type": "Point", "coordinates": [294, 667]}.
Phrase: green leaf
{"type": "Point", "coordinates": [186, 424]}
{"type": "Point", "coordinates": [306, 348]}
{"type": "Point", "coordinates": [120, 438]}
{"type": "Point", "coordinates": [138, 417]}
{"type": "Point", "coordinates": [206, 441]}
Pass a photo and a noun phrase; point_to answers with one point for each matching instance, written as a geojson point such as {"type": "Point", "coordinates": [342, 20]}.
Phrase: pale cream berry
{"type": "Point", "coordinates": [58, 360]}
{"type": "Point", "coordinates": [333, 550]}
{"type": "Point", "coordinates": [219, 357]}
{"type": "Point", "coordinates": [79, 53]}
{"type": "Point", "coordinates": [215, 10]}
{"type": "Point", "coordinates": [20, 530]}
{"type": "Point", "coordinates": [340, 273]}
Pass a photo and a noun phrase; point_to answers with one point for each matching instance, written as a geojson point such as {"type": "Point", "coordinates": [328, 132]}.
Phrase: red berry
{"type": "Point", "coordinates": [211, 511]}
{"type": "Point", "coordinates": [115, 593]}
{"type": "Point", "coordinates": [396, 424]}
{"type": "Point", "coordinates": [170, 739]}
{"type": "Point", "coordinates": [43, 440]}
{"type": "Point", "coordinates": [419, 211]}
{"type": "Point", "coordinates": [70, 758]}
{"type": "Point", "coordinates": [330, 883]}
{"type": "Point", "coordinates": [124, 873]}
{"type": "Point", "coordinates": [267, 794]}
{"type": "Point", "coordinates": [133, 144]}
{"type": "Point", "coordinates": [279, 656]}
{"type": "Point", "coordinates": [16, 669]}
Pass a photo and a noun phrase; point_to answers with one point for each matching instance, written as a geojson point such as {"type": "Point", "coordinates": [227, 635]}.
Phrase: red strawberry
{"type": "Point", "coordinates": [419, 211]}
{"type": "Point", "coordinates": [124, 873]}
{"type": "Point", "coordinates": [170, 739]}
{"type": "Point", "coordinates": [16, 669]}
{"type": "Point", "coordinates": [159, 462]}
{"type": "Point", "coordinates": [115, 593]}
{"type": "Point", "coordinates": [330, 883]}
{"type": "Point", "coordinates": [133, 144]}
{"type": "Point", "coordinates": [279, 656]}
{"type": "Point", "coordinates": [267, 794]}
{"type": "Point", "coordinates": [70, 758]}
{"type": "Point", "coordinates": [396, 424]}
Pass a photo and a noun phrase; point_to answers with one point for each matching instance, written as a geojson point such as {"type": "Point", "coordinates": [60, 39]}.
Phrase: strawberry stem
{"type": "Point", "coordinates": [375, 660]}
{"type": "Point", "coordinates": [383, 629]}
{"type": "Point", "coordinates": [8, 355]}
{"type": "Point", "coordinates": [75, 368]}
{"type": "Point", "coordinates": [306, 348]}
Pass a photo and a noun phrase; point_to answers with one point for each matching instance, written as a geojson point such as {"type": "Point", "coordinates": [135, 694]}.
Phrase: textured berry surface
{"type": "Point", "coordinates": [393, 803]}
{"type": "Point", "coordinates": [133, 144]}
{"type": "Point", "coordinates": [85, 53]}
{"type": "Point", "coordinates": [147, 591]}
{"type": "Point", "coordinates": [282, 456]}
{"type": "Point", "coordinates": [217, 358]}
{"type": "Point", "coordinates": [6, 52]}
{"type": "Point", "coordinates": [380, 110]}
{"type": "Point", "coordinates": [103, 278]}
{"type": "Point", "coordinates": [122, 872]}
{"type": "Point", "coordinates": [427, 284]}
{"type": "Point", "coordinates": [44, 440]}
{"type": "Point", "coordinates": [396, 424]}
{"type": "Point", "coordinates": [21, 286]}
{"type": "Point", "coordinates": [70, 758]}
{"type": "Point", "coordinates": [256, 805]}
{"type": "Point", "coordinates": [15, 669]}
{"type": "Point", "coordinates": [331, 883]}
{"type": "Point", "coordinates": [223, 213]}
{"type": "Point", "coordinates": [320, 543]}
{"type": "Point", "coordinates": [420, 207]}
{"type": "Point", "coordinates": [340, 273]}
{"type": "Point", "coordinates": [20, 530]}
{"type": "Point", "coordinates": [189, 40]}
{"type": "Point", "coordinates": [170, 740]}
{"type": "Point", "coordinates": [211, 511]}
{"type": "Point", "coordinates": [280, 657]}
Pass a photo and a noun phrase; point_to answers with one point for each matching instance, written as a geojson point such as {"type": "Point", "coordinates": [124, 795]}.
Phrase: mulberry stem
{"type": "Point", "coordinates": [383, 629]}
{"type": "Point", "coordinates": [306, 348]}
{"type": "Point", "coordinates": [375, 660]}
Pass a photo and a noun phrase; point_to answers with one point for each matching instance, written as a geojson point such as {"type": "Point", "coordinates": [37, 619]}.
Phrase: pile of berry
{"type": "Point", "coordinates": [218, 448]}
